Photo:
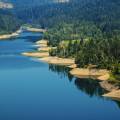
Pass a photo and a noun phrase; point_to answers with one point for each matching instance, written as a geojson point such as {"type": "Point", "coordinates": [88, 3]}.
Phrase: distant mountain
{"type": "Point", "coordinates": [5, 5]}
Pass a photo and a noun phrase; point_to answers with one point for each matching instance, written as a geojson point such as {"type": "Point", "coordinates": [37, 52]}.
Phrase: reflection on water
{"type": "Point", "coordinates": [90, 87]}
{"type": "Point", "coordinates": [29, 37]}
{"type": "Point", "coordinates": [11, 49]}
{"type": "Point", "coordinates": [62, 71]}
{"type": "Point", "coordinates": [117, 102]}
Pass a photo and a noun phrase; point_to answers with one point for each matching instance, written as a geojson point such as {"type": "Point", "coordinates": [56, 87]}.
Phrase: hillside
{"type": "Point", "coordinates": [98, 11]}
{"type": "Point", "coordinates": [8, 22]}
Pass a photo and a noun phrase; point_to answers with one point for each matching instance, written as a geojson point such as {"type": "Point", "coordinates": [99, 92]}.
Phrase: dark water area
{"type": "Point", "coordinates": [33, 90]}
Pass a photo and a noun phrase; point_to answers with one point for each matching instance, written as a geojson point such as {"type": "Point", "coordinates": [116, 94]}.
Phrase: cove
{"type": "Point", "coordinates": [33, 90]}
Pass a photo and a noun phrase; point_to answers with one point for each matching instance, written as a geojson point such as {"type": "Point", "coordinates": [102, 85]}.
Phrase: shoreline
{"type": "Point", "coordinates": [99, 74]}
{"type": "Point", "coordinates": [57, 60]}
{"type": "Point", "coordinates": [7, 36]}
{"type": "Point", "coordinates": [102, 75]}
{"type": "Point", "coordinates": [42, 54]}
{"type": "Point", "coordinates": [115, 95]}
{"type": "Point", "coordinates": [15, 34]}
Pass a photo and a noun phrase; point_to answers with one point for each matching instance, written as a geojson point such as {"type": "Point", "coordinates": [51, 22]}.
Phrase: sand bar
{"type": "Point", "coordinates": [36, 54]}
{"type": "Point", "coordinates": [73, 66]}
{"type": "Point", "coordinates": [42, 42]}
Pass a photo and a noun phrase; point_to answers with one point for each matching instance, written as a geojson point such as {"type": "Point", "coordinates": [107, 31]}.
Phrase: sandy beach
{"type": "Point", "coordinates": [41, 44]}
{"type": "Point", "coordinates": [35, 29]}
{"type": "Point", "coordinates": [6, 36]}
{"type": "Point", "coordinates": [36, 54]}
{"type": "Point", "coordinates": [115, 95]}
{"type": "Point", "coordinates": [93, 73]}
{"type": "Point", "coordinates": [58, 61]}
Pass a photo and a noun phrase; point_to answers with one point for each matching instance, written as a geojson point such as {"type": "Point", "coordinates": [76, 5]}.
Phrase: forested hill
{"type": "Point", "coordinates": [97, 11]}
{"type": "Point", "coordinates": [8, 22]}
{"type": "Point", "coordinates": [104, 14]}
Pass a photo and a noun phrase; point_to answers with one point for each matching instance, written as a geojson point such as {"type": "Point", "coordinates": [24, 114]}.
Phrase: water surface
{"type": "Point", "coordinates": [33, 90]}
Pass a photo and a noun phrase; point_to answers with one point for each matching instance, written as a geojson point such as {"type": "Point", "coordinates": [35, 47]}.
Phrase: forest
{"type": "Point", "coordinates": [91, 36]}
{"type": "Point", "coordinates": [8, 22]}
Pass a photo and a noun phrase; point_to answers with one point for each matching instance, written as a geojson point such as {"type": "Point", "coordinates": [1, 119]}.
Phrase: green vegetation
{"type": "Point", "coordinates": [87, 43]}
{"type": "Point", "coordinates": [98, 11]}
{"type": "Point", "coordinates": [89, 40]}
{"type": "Point", "coordinates": [8, 22]}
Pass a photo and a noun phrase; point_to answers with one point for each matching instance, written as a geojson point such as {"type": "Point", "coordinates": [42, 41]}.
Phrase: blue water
{"type": "Point", "coordinates": [33, 90]}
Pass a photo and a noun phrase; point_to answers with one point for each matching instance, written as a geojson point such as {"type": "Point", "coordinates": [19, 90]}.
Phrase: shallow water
{"type": "Point", "coordinates": [33, 90]}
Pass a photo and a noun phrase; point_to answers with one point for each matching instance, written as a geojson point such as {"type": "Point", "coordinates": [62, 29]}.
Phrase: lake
{"type": "Point", "coordinates": [33, 90]}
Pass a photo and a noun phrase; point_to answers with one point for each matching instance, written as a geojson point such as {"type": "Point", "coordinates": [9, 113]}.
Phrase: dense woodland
{"type": "Point", "coordinates": [48, 15]}
{"type": "Point", "coordinates": [8, 22]}
{"type": "Point", "coordinates": [91, 37]}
